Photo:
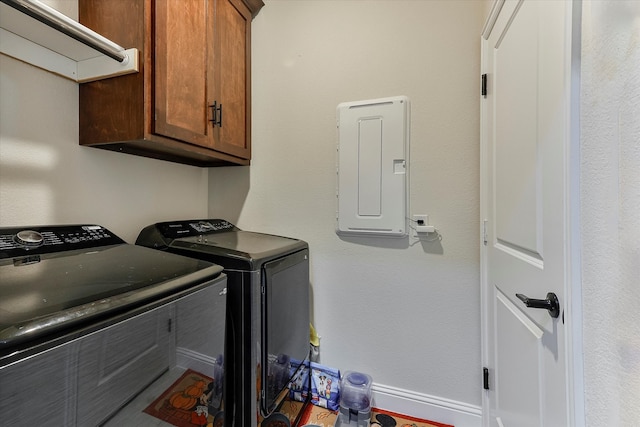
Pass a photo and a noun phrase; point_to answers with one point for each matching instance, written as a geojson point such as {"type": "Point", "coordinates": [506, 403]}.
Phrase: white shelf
{"type": "Point", "coordinates": [53, 45]}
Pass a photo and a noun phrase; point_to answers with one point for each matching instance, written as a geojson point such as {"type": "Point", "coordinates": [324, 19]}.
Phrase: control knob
{"type": "Point", "coordinates": [29, 238]}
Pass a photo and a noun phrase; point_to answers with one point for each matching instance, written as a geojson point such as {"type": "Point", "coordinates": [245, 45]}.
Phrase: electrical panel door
{"type": "Point", "coordinates": [373, 162]}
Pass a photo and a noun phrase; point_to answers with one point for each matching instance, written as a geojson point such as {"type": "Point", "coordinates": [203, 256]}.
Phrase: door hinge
{"type": "Point", "coordinates": [484, 85]}
{"type": "Point", "coordinates": [484, 232]}
{"type": "Point", "coordinates": [169, 325]}
{"type": "Point", "coordinates": [485, 378]}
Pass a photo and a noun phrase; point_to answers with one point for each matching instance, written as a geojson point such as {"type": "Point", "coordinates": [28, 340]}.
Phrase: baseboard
{"type": "Point", "coordinates": [425, 406]}
{"type": "Point", "coordinates": [199, 362]}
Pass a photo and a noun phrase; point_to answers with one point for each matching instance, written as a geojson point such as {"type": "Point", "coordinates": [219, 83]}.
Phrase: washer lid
{"type": "Point", "coordinates": [42, 293]}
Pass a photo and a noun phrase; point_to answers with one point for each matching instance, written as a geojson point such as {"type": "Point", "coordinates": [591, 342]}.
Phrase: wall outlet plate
{"type": "Point", "coordinates": [421, 224]}
{"type": "Point", "coordinates": [419, 220]}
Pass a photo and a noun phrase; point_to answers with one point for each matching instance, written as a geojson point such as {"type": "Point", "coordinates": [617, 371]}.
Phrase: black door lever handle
{"type": "Point", "coordinates": [551, 303]}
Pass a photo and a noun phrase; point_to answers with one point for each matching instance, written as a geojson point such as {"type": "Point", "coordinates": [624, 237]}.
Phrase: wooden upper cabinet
{"type": "Point", "coordinates": [232, 39]}
{"type": "Point", "coordinates": [191, 101]}
{"type": "Point", "coordinates": [181, 71]}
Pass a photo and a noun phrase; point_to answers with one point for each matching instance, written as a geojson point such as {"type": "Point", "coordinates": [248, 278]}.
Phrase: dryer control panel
{"type": "Point", "coordinates": [162, 234]}
{"type": "Point", "coordinates": [175, 229]}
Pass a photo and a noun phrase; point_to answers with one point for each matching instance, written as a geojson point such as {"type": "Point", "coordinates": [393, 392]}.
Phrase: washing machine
{"type": "Point", "coordinates": [267, 352]}
{"type": "Point", "coordinates": [89, 322]}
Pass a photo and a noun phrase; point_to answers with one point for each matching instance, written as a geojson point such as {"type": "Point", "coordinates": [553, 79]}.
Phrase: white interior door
{"type": "Point", "coordinates": [525, 134]}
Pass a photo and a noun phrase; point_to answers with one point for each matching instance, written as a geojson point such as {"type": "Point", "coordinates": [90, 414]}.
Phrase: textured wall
{"type": "Point", "coordinates": [610, 128]}
{"type": "Point", "coordinates": [405, 311]}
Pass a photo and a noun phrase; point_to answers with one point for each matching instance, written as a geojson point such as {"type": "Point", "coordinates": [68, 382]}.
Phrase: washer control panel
{"type": "Point", "coordinates": [57, 238]}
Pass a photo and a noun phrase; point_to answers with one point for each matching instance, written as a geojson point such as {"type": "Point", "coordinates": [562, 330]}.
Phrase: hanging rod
{"type": "Point", "coordinates": [60, 22]}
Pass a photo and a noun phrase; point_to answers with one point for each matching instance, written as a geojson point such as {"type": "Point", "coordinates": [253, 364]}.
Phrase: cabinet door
{"type": "Point", "coordinates": [200, 336]}
{"type": "Point", "coordinates": [181, 63]}
{"type": "Point", "coordinates": [200, 323]}
{"type": "Point", "coordinates": [232, 77]}
{"type": "Point", "coordinates": [118, 362]}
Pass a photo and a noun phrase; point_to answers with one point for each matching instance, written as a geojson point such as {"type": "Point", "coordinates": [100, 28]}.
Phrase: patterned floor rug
{"type": "Point", "coordinates": [181, 405]}
{"type": "Point", "coordinates": [317, 416]}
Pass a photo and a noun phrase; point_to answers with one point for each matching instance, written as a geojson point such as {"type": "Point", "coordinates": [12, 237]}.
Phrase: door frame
{"type": "Point", "coordinates": [572, 306]}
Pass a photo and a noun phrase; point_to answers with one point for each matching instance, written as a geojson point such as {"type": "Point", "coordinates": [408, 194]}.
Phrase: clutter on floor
{"type": "Point", "coordinates": [337, 401]}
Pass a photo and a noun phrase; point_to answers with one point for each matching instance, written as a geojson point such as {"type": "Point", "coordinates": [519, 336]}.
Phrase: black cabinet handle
{"type": "Point", "coordinates": [551, 303]}
{"type": "Point", "coordinates": [216, 114]}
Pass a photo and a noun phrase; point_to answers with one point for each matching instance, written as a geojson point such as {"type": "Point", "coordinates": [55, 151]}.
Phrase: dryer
{"type": "Point", "coordinates": [267, 352]}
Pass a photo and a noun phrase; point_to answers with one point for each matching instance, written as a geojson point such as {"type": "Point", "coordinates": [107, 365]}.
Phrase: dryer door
{"type": "Point", "coordinates": [285, 325]}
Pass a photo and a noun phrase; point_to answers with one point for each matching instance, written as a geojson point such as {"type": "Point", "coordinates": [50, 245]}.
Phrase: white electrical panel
{"type": "Point", "coordinates": [373, 163]}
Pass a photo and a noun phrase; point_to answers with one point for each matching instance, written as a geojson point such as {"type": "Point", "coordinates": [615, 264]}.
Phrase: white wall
{"type": "Point", "coordinates": [610, 175]}
{"type": "Point", "coordinates": [407, 312]}
{"type": "Point", "coordinates": [47, 178]}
